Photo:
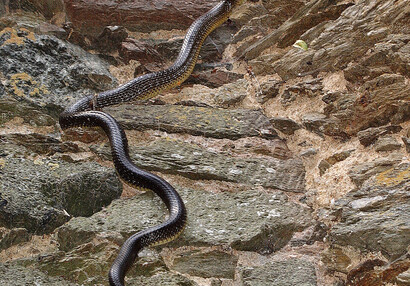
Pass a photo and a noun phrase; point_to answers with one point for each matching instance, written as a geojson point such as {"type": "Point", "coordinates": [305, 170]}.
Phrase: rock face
{"type": "Point", "coordinates": [41, 195]}
{"type": "Point", "coordinates": [208, 122]}
{"type": "Point", "coordinates": [376, 217]}
{"type": "Point", "coordinates": [227, 139]}
{"type": "Point", "coordinates": [265, 225]}
{"type": "Point", "coordinates": [292, 272]}
{"type": "Point", "coordinates": [90, 17]}
{"type": "Point", "coordinates": [47, 72]}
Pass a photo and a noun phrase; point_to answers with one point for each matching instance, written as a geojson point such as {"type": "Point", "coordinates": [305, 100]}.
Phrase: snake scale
{"type": "Point", "coordinates": [86, 112]}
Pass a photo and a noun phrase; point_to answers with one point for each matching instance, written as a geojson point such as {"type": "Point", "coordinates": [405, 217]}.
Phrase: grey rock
{"type": "Point", "coordinates": [161, 278]}
{"type": "Point", "coordinates": [174, 157]}
{"type": "Point", "coordinates": [20, 276]}
{"type": "Point", "coordinates": [306, 17]}
{"type": "Point", "coordinates": [263, 65]}
{"type": "Point", "coordinates": [406, 142]}
{"type": "Point", "coordinates": [49, 73]}
{"type": "Point", "coordinates": [308, 152]}
{"type": "Point", "coordinates": [248, 220]}
{"type": "Point", "coordinates": [10, 237]}
{"type": "Point", "coordinates": [307, 88]}
{"type": "Point", "coordinates": [386, 143]}
{"type": "Point", "coordinates": [376, 216]}
{"type": "Point", "coordinates": [364, 171]}
{"type": "Point", "coordinates": [285, 125]}
{"type": "Point", "coordinates": [323, 125]}
{"type": "Point", "coordinates": [10, 108]}
{"type": "Point", "coordinates": [40, 144]}
{"type": "Point", "coordinates": [231, 94]}
{"type": "Point", "coordinates": [330, 161]}
{"type": "Point", "coordinates": [206, 264]}
{"type": "Point", "coordinates": [370, 135]}
{"type": "Point", "coordinates": [269, 89]}
{"type": "Point", "coordinates": [404, 278]}
{"type": "Point", "coordinates": [293, 272]}
{"type": "Point", "coordinates": [41, 195]}
{"type": "Point", "coordinates": [208, 122]}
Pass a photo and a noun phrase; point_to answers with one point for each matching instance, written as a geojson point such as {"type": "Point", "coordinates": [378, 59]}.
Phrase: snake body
{"type": "Point", "coordinates": [84, 113]}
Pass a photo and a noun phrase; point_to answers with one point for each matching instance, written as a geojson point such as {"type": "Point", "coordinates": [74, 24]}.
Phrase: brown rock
{"type": "Point", "coordinates": [330, 161]}
{"type": "Point", "coordinates": [386, 143]}
{"type": "Point", "coordinates": [90, 17]}
{"type": "Point", "coordinates": [111, 37]}
{"type": "Point", "coordinates": [370, 135]}
{"type": "Point", "coordinates": [132, 49]}
{"type": "Point", "coordinates": [285, 125]}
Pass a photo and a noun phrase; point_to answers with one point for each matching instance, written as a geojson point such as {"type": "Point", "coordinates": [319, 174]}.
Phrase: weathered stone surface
{"type": "Point", "coordinates": [307, 88]}
{"type": "Point", "coordinates": [330, 161]}
{"type": "Point", "coordinates": [40, 144]}
{"type": "Point", "coordinates": [406, 142]}
{"type": "Point", "coordinates": [306, 17]}
{"type": "Point", "coordinates": [377, 272]}
{"type": "Point", "coordinates": [48, 8]}
{"type": "Point", "coordinates": [231, 94]}
{"type": "Point", "coordinates": [208, 122]}
{"type": "Point", "coordinates": [10, 237]}
{"type": "Point", "coordinates": [285, 125]}
{"type": "Point", "coordinates": [361, 172]}
{"type": "Point", "coordinates": [206, 264]}
{"type": "Point", "coordinates": [386, 143]}
{"type": "Point", "coordinates": [174, 157]}
{"type": "Point", "coordinates": [293, 272]}
{"type": "Point", "coordinates": [249, 220]}
{"type": "Point", "coordinates": [10, 108]}
{"type": "Point", "coordinates": [212, 78]}
{"type": "Point", "coordinates": [269, 89]}
{"type": "Point", "coordinates": [90, 17]}
{"type": "Point", "coordinates": [47, 72]}
{"type": "Point", "coordinates": [322, 124]}
{"type": "Point", "coordinates": [162, 278]}
{"type": "Point", "coordinates": [111, 38]}
{"type": "Point", "coordinates": [20, 276]}
{"type": "Point", "coordinates": [370, 135]}
{"type": "Point", "coordinates": [376, 216]}
{"type": "Point", "coordinates": [41, 195]}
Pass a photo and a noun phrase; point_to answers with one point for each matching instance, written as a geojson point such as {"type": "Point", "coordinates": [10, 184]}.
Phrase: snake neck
{"type": "Point", "coordinates": [152, 84]}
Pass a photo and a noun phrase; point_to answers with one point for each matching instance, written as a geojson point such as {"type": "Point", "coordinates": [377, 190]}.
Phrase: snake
{"type": "Point", "coordinates": [87, 112]}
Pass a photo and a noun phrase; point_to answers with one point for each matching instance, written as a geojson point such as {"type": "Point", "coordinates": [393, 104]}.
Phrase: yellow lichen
{"type": "Point", "coordinates": [20, 80]}
{"type": "Point", "coordinates": [391, 178]}
{"type": "Point", "coordinates": [2, 163]}
{"type": "Point", "coordinates": [14, 38]}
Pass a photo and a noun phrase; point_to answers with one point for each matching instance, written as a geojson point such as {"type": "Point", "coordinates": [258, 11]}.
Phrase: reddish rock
{"type": "Point", "coordinates": [132, 49]}
{"type": "Point", "coordinates": [90, 17]}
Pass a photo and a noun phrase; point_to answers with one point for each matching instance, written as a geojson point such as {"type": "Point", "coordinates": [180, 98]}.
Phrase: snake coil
{"type": "Point", "coordinates": [84, 113]}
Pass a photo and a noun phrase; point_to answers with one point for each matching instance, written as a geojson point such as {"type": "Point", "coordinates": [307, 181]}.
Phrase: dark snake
{"type": "Point", "coordinates": [84, 113]}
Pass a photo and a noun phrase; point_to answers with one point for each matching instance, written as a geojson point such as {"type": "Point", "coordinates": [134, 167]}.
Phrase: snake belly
{"type": "Point", "coordinates": [84, 113]}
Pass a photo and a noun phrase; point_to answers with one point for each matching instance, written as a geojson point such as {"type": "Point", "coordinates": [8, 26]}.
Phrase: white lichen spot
{"type": "Point", "coordinates": [235, 172]}
{"type": "Point", "coordinates": [271, 170]}
{"type": "Point", "coordinates": [273, 213]}
{"type": "Point", "coordinates": [209, 168]}
{"type": "Point", "coordinates": [177, 156]}
{"type": "Point", "coordinates": [365, 202]}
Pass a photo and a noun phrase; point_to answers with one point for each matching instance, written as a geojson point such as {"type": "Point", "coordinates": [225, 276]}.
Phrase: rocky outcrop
{"type": "Point", "coordinates": [90, 17]}
{"type": "Point", "coordinates": [208, 122]}
{"type": "Point", "coordinates": [291, 272]}
{"type": "Point", "coordinates": [46, 72]}
{"type": "Point", "coordinates": [265, 225]}
{"type": "Point", "coordinates": [40, 195]}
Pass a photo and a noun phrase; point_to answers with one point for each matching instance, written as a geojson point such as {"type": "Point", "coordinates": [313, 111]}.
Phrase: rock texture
{"type": "Point", "coordinates": [293, 164]}
{"type": "Point", "coordinates": [208, 122]}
